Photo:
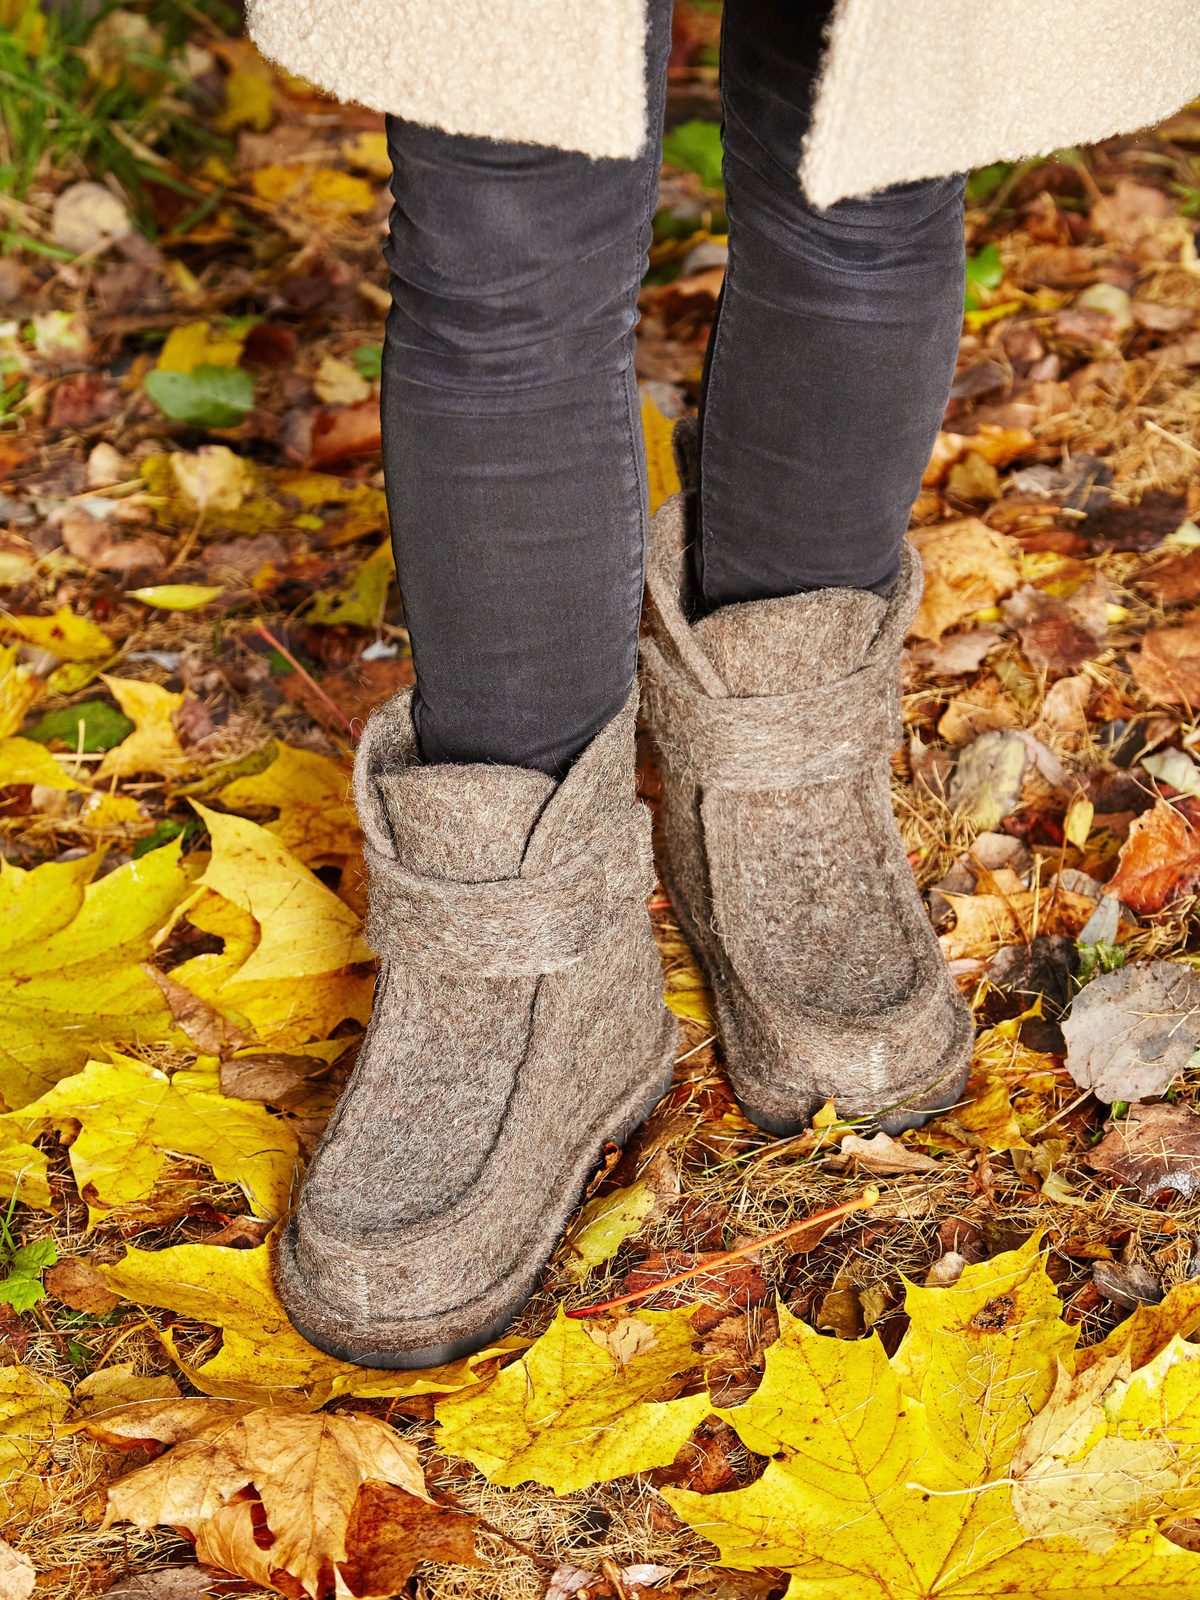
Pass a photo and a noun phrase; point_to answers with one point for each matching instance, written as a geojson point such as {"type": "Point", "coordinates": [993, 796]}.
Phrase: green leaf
{"type": "Point", "coordinates": [360, 602]}
{"type": "Point", "coordinates": [367, 361]}
{"type": "Point", "coordinates": [984, 271]}
{"type": "Point", "coordinates": [984, 181]}
{"type": "Point", "coordinates": [696, 146]}
{"type": "Point", "coordinates": [206, 397]}
{"type": "Point", "coordinates": [22, 1293]}
{"type": "Point", "coordinates": [104, 727]}
{"type": "Point", "coordinates": [163, 833]}
{"type": "Point", "coordinates": [36, 1257]}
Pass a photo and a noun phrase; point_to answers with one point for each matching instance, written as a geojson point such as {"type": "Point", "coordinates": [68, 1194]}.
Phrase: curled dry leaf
{"type": "Point", "coordinates": [306, 1472]}
{"type": "Point", "coordinates": [968, 566]}
{"type": "Point", "coordinates": [1059, 633]}
{"type": "Point", "coordinates": [1159, 861]}
{"type": "Point", "coordinates": [883, 1155]}
{"type": "Point", "coordinates": [955, 653]}
{"type": "Point", "coordinates": [604, 1224]}
{"type": "Point", "coordinates": [1131, 1032]}
{"type": "Point", "coordinates": [1154, 1148]}
{"type": "Point", "coordinates": [1149, 1330]}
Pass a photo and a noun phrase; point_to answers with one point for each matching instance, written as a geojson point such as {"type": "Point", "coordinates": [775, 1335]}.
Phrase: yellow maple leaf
{"type": "Point", "coordinates": [890, 1480]}
{"type": "Point", "coordinates": [572, 1412]}
{"type": "Point", "coordinates": [306, 1470]}
{"type": "Point", "coordinates": [69, 952]}
{"type": "Point", "coordinates": [26, 761]}
{"type": "Point", "coordinates": [369, 152]}
{"type": "Point", "coordinates": [249, 102]}
{"type": "Point", "coordinates": [64, 635]}
{"type": "Point", "coordinates": [312, 795]}
{"type": "Point", "coordinates": [19, 688]}
{"type": "Point", "coordinates": [130, 1115]}
{"type": "Point", "coordinates": [30, 1406]}
{"type": "Point", "coordinates": [322, 194]}
{"type": "Point", "coordinates": [154, 745]}
{"type": "Point", "coordinates": [1150, 1328]}
{"type": "Point", "coordinates": [262, 1358]}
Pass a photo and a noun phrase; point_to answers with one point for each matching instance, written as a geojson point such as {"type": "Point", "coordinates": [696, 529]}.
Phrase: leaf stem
{"type": "Point", "coordinates": [865, 1201]}
{"type": "Point", "coordinates": [308, 678]}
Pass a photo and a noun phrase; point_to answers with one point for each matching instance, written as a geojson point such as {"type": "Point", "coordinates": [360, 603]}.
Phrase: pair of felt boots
{"type": "Point", "coordinates": [519, 1020]}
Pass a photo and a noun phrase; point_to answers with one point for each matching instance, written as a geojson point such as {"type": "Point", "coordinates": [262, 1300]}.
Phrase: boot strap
{"type": "Point", "coordinates": [773, 742]}
{"type": "Point", "coordinates": [509, 927]}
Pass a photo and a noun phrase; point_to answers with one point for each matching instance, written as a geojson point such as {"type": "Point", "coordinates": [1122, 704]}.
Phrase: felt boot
{"type": "Point", "coordinates": [774, 722]}
{"type": "Point", "coordinates": [518, 1025]}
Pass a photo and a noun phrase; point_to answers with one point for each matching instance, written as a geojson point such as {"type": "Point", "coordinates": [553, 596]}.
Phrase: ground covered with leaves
{"type": "Point", "coordinates": [976, 1375]}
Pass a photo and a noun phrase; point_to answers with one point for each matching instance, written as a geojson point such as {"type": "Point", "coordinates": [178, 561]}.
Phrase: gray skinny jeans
{"type": "Point", "coordinates": [511, 434]}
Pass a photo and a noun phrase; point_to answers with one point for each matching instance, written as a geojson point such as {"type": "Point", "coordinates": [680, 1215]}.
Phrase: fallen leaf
{"type": "Point", "coordinates": [80, 1286]}
{"type": "Point", "coordinates": [883, 1155]}
{"type": "Point", "coordinates": [662, 473]}
{"type": "Point", "coordinates": [86, 216]}
{"type": "Point", "coordinates": [176, 596]}
{"type": "Point", "coordinates": [1127, 1285]}
{"type": "Point", "coordinates": [306, 1471]}
{"type": "Point", "coordinates": [985, 1119]}
{"type": "Point", "coordinates": [1132, 1031]}
{"type": "Point", "coordinates": [19, 688]}
{"type": "Point", "coordinates": [69, 963]}
{"type": "Point", "coordinates": [359, 601]}
{"type": "Point", "coordinates": [1159, 861]}
{"type": "Point", "coordinates": [17, 1576]}
{"type": "Point", "coordinates": [955, 653]}
{"type": "Point", "coordinates": [982, 708]}
{"type": "Point", "coordinates": [312, 795]}
{"type": "Point", "coordinates": [31, 1406]}
{"type": "Point", "coordinates": [370, 152]}
{"type": "Point", "coordinates": [347, 431]}
{"type": "Point", "coordinates": [337, 383]}
{"type": "Point", "coordinates": [1172, 582]}
{"type": "Point", "coordinates": [154, 744]}
{"type": "Point", "coordinates": [390, 1530]}
{"type": "Point", "coordinates": [64, 635]}
{"type": "Point", "coordinates": [1149, 1330]}
{"type": "Point", "coordinates": [1065, 707]}
{"type": "Point", "coordinates": [569, 1414]}
{"type": "Point", "coordinates": [1059, 633]}
{"type": "Point", "coordinates": [109, 1387]}
{"type": "Point", "coordinates": [1153, 1148]}
{"type": "Point", "coordinates": [24, 761]}
{"type": "Point", "coordinates": [130, 1115]}
{"type": "Point", "coordinates": [203, 1024]}
{"type": "Point", "coordinates": [193, 345]}
{"type": "Point", "coordinates": [604, 1224]}
{"type": "Point", "coordinates": [968, 566]}
{"type": "Point", "coordinates": [262, 1358]}
{"type": "Point", "coordinates": [212, 478]}
{"type": "Point", "coordinates": [1167, 666]}
{"type": "Point", "coordinates": [206, 397]}
{"type": "Point", "coordinates": [164, 1583]}
{"type": "Point", "coordinates": [320, 194]}
{"type": "Point", "coordinates": [910, 1496]}
{"type": "Point", "coordinates": [987, 779]}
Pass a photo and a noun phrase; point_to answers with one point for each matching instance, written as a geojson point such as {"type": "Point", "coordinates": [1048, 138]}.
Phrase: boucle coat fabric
{"type": "Point", "coordinates": [518, 1025]}
{"type": "Point", "coordinates": [911, 88]}
{"type": "Point", "coordinates": [774, 721]}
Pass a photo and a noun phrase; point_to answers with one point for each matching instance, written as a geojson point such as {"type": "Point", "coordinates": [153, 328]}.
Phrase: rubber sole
{"type": "Point", "coordinates": [439, 1355]}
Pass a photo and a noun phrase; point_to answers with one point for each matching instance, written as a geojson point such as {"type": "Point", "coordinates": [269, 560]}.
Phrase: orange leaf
{"type": "Point", "coordinates": [1159, 861]}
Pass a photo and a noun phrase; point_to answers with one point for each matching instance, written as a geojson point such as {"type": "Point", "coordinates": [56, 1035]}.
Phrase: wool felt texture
{"type": "Point", "coordinates": [518, 1025]}
{"type": "Point", "coordinates": [774, 720]}
{"type": "Point", "coordinates": [910, 90]}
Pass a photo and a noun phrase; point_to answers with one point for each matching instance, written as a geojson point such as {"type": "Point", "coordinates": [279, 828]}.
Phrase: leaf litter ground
{"type": "Point", "coordinates": [189, 456]}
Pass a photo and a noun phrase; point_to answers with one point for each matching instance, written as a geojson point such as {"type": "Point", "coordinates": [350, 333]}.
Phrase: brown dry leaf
{"type": "Point", "coordinates": [81, 1287]}
{"type": "Point", "coordinates": [1168, 665]}
{"type": "Point", "coordinates": [1154, 1148]}
{"type": "Point", "coordinates": [982, 708]}
{"type": "Point", "coordinates": [956, 653]}
{"type": "Point", "coordinates": [391, 1530]}
{"type": "Point", "coordinates": [207, 1029]}
{"type": "Point", "coordinates": [306, 1469]}
{"type": "Point", "coordinates": [349, 431]}
{"type": "Point", "coordinates": [1159, 861]}
{"type": "Point", "coordinates": [1132, 1031]}
{"type": "Point", "coordinates": [17, 1577]}
{"type": "Point", "coordinates": [1172, 582]}
{"type": "Point", "coordinates": [1059, 633]}
{"type": "Point", "coordinates": [884, 1156]}
{"type": "Point", "coordinates": [985, 922]}
{"type": "Point", "coordinates": [968, 566]}
{"type": "Point", "coordinates": [1064, 710]}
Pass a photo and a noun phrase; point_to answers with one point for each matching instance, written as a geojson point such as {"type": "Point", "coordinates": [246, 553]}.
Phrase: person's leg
{"type": "Point", "coordinates": [834, 348]}
{"type": "Point", "coordinates": [511, 433]}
